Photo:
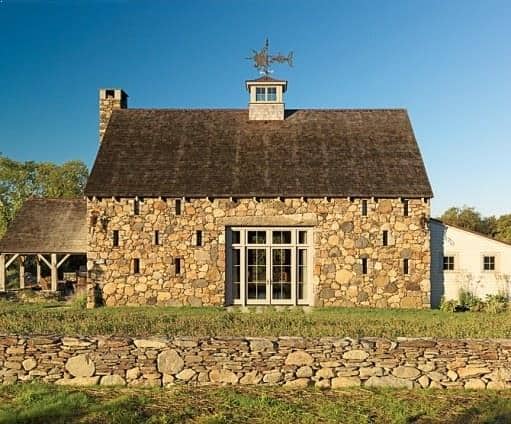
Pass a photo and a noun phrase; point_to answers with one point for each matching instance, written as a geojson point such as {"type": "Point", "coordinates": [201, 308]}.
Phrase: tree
{"type": "Point", "coordinates": [21, 180]}
{"type": "Point", "coordinates": [470, 219]}
{"type": "Point", "coordinates": [503, 228]}
{"type": "Point", "coordinates": [467, 217]}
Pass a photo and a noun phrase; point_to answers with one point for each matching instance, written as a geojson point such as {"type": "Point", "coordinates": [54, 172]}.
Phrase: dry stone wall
{"type": "Point", "coordinates": [287, 361]}
{"type": "Point", "coordinates": [342, 237]}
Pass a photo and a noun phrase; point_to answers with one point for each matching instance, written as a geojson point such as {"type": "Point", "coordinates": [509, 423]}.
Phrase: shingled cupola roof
{"type": "Point", "coordinates": [222, 153]}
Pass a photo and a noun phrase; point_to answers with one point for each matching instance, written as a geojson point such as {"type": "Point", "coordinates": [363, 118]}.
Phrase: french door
{"type": "Point", "coordinates": [269, 266]}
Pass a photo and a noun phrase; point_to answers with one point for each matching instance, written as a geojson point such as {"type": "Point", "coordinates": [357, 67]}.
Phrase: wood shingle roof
{"type": "Point", "coordinates": [48, 226]}
{"type": "Point", "coordinates": [220, 153]}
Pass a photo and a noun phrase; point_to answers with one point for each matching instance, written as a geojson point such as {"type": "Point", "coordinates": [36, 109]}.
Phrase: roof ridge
{"type": "Point", "coordinates": [171, 109]}
{"type": "Point", "coordinates": [477, 233]}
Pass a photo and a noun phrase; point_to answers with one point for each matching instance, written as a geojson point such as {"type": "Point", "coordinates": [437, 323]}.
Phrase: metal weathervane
{"type": "Point", "coordinates": [263, 59]}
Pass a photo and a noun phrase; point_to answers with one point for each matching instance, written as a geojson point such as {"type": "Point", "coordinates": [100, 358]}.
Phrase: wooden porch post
{"type": "Point", "coordinates": [21, 260]}
{"type": "Point", "coordinates": [38, 270]}
{"type": "Point", "coordinates": [53, 272]}
{"type": "Point", "coordinates": [2, 272]}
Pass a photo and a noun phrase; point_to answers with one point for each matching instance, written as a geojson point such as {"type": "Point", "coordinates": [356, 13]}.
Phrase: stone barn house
{"type": "Point", "coordinates": [257, 206]}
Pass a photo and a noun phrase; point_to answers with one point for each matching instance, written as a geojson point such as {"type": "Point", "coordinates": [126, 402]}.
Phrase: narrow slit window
{"type": "Point", "coordinates": [406, 266]}
{"type": "Point", "coordinates": [136, 207]}
{"type": "Point", "coordinates": [136, 266]}
{"type": "Point", "coordinates": [364, 266]}
{"type": "Point", "coordinates": [115, 238]}
{"type": "Point", "coordinates": [157, 237]}
{"type": "Point", "coordinates": [385, 238]}
{"type": "Point", "coordinates": [198, 237]}
{"type": "Point", "coordinates": [406, 207]}
{"type": "Point", "coordinates": [177, 266]}
{"type": "Point", "coordinates": [178, 206]}
{"type": "Point", "coordinates": [364, 207]}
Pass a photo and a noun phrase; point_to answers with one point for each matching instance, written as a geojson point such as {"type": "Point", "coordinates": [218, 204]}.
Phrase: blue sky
{"type": "Point", "coordinates": [447, 62]}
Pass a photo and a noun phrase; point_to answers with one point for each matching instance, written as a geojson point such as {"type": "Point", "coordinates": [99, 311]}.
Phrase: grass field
{"type": "Point", "coordinates": [353, 322]}
{"type": "Point", "coordinates": [36, 403]}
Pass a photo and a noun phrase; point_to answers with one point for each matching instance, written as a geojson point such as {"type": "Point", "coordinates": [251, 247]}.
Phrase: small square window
{"type": "Point", "coordinates": [364, 207]}
{"type": "Point", "coordinates": [385, 238]}
{"type": "Point", "coordinates": [489, 263]}
{"type": "Point", "coordinates": [448, 263]}
{"type": "Point", "coordinates": [115, 238]}
{"type": "Point", "coordinates": [198, 237]}
{"type": "Point", "coordinates": [136, 266]}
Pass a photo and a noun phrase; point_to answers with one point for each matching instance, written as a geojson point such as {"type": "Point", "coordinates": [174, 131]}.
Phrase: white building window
{"type": "Point", "coordinates": [489, 263]}
{"type": "Point", "coordinates": [448, 264]}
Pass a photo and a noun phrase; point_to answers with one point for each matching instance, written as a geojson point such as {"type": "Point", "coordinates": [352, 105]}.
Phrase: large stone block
{"type": "Point", "coordinates": [170, 362]}
{"type": "Point", "coordinates": [80, 366]}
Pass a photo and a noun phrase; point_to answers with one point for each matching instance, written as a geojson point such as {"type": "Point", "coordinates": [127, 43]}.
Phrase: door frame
{"type": "Point", "coordinates": [236, 239]}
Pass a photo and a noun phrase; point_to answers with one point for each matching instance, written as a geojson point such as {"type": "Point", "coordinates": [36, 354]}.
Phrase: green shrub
{"type": "Point", "coordinates": [469, 301]}
{"type": "Point", "coordinates": [496, 303]}
{"type": "Point", "coordinates": [448, 305]}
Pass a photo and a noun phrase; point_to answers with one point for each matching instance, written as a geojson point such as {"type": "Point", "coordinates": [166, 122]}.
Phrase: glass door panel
{"type": "Point", "coordinates": [302, 274]}
{"type": "Point", "coordinates": [256, 274]}
{"type": "Point", "coordinates": [281, 275]}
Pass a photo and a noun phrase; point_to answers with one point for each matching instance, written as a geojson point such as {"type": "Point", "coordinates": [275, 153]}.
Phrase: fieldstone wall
{"type": "Point", "coordinates": [342, 237]}
{"type": "Point", "coordinates": [288, 361]}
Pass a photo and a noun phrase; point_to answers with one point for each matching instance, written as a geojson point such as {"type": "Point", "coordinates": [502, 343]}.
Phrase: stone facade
{"type": "Point", "coordinates": [342, 237]}
{"type": "Point", "coordinates": [293, 362]}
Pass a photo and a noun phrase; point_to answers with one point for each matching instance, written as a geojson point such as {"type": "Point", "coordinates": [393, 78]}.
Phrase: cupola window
{"type": "Point", "coordinates": [266, 94]}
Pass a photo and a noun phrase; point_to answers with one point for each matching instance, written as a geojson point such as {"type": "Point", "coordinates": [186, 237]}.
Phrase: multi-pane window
{"type": "Point", "coordinates": [489, 263]}
{"type": "Point", "coordinates": [406, 266]}
{"type": "Point", "coordinates": [266, 94]}
{"type": "Point", "coordinates": [448, 264]}
{"type": "Point", "coordinates": [364, 207]}
{"type": "Point", "coordinates": [385, 238]}
{"type": "Point", "coordinates": [136, 266]}
{"type": "Point", "coordinates": [260, 94]}
{"type": "Point", "coordinates": [364, 265]}
{"type": "Point", "coordinates": [198, 238]}
{"type": "Point", "coordinates": [271, 94]}
{"type": "Point", "coordinates": [115, 238]}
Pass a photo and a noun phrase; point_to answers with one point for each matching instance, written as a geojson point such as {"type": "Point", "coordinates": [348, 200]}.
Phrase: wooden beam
{"type": "Point", "coordinates": [44, 260]}
{"type": "Point", "coordinates": [22, 272]}
{"type": "Point", "coordinates": [10, 261]}
{"type": "Point", "coordinates": [2, 272]}
{"type": "Point", "coordinates": [53, 272]}
{"type": "Point", "coordinates": [64, 259]}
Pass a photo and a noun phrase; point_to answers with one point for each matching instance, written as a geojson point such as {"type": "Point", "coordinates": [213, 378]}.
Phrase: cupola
{"type": "Point", "coordinates": [266, 98]}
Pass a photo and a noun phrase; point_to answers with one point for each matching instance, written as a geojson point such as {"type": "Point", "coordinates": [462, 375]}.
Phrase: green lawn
{"type": "Point", "coordinates": [36, 403]}
{"type": "Point", "coordinates": [350, 322]}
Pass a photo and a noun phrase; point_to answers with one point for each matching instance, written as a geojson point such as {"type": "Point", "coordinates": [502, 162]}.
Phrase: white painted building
{"type": "Point", "coordinates": [463, 259]}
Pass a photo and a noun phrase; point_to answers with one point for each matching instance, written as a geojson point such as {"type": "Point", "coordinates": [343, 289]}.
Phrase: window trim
{"type": "Point", "coordinates": [495, 262]}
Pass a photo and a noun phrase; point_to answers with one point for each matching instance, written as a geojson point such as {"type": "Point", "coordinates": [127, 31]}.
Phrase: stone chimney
{"type": "Point", "coordinates": [109, 99]}
{"type": "Point", "coordinates": [266, 99]}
